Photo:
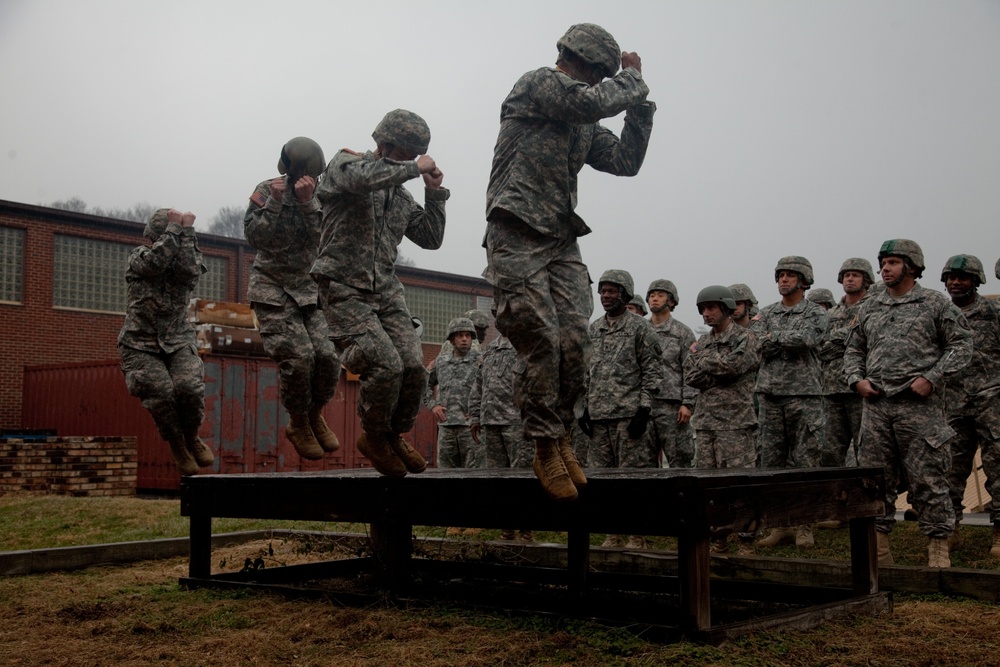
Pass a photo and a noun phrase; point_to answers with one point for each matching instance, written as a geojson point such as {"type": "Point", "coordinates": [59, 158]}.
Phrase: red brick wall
{"type": "Point", "coordinates": [72, 466]}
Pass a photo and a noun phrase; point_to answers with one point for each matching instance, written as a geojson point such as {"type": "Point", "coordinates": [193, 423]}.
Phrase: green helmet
{"type": "Point", "coordinates": [717, 294]}
{"type": "Point", "coordinates": [621, 278]}
{"type": "Point", "coordinates": [822, 296]}
{"type": "Point", "coordinates": [664, 286]}
{"type": "Point", "coordinates": [996, 269]}
{"type": "Point", "coordinates": [301, 156]}
{"type": "Point", "coordinates": [479, 318]}
{"type": "Point", "coordinates": [966, 264]}
{"type": "Point", "coordinates": [460, 324]}
{"type": "Point", "coordinates": [594, 45]}
{"type": "Point", "coordinates": [639, 303]}
{"type": "Point", "coordinates": [403, 129]}
{"type": "Point", "coordinates": [742, 292]}
{"type": "Point", "coordinates": [859, 264]}
{"type": "Point", "coordinates": [905, 248]}
{"type": "Point", "coordinates": [798, 264]}
{"type": "Point", "coordinates": [156, 225]}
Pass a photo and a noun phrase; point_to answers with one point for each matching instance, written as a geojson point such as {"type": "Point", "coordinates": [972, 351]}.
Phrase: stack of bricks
{"type": "Point", "coordinates": [76, 466]}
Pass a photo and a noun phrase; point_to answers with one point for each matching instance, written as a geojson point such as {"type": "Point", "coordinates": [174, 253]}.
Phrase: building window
{"type": "Point", "coordinates": [89, 274]}
{"type": "Point", "coordinates": [212, 285]}
{"type": "Point", "coordinates": [11, 264]}
{"type": "Point", "coordinates": [436, 308]}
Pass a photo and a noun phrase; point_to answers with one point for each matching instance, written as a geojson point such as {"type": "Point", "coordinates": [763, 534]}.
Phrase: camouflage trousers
{"type": "Point", "coordinates": [843, 426]}
{"type": "Point", "coordinates": [544, 302]}
{"type": "Point", "coordinates": [611, 446]}
{"type": "Point", "coordinates": [506, 446]}
{"type": "Point", "coordinates": [170, 385]}
{"type": "Point", "coordinates": [791, 431]}
{"type": "Point", "coordinates": [907, 437]}
{"type": "Point", "coordinates": [298, 340]}
{"type": "Point", "coordinates": [972, 431]}
{"type": "Point", "coordinates": [581, 444]}
{"type": "Point", "coordinates": [457, 449]}
{"type": "Point", "coordinates": [673, 442]}
{"type": "Point", "coordinates": [725, 449]}
{"type": "Point", "coordinates": [375, 338]}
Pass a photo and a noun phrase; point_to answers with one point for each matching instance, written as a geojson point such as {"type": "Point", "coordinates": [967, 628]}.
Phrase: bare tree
{"type": "Point", "coordinates": [403, 260]}
{"type": "Point", "coordinates": [228, 222]}
{"type": "Point", "coordinates": [139, 212]}
{"type": "Point", "coordinates": [74, 204]}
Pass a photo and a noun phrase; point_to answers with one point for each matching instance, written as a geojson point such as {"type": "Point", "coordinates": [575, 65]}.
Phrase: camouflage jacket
{"type": "Point", "coordinates": [366, 214]}
{"type": "Point", "coordinates": [285, 235]}
{"type": "Point", "coordinates": [626, 369]}
{"type": "Point", "coordinates": [896, 340]}
{"type": "Point", "coordinates": [491, 400]}
{"type": "Point", "coordinates": [453, 377]}
{"type": "Point", "coordinates": [789, 339]}
{"type": "Point", "coordinates": [160, 280]}
{"type": "Point", "coordinates": [675, 339]}
{"type": "Point", "coordinates": [980, 380]}
{"type": "Point", "coordinates": [549, 129]}
{"type": "Point", "coordinates": [724, 367]}
{"type": "Point", "coordinates": [831, 351]}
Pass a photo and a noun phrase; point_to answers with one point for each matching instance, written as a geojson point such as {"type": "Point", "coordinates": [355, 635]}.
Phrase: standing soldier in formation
{"type": "Point", "coordinates": [842, 406]}
{"type": "Point", "coordinates": [549, 128]}
{"type": "Point", "coordinates": [159, 355]}
{"type": "Point", "coordinates": [282, 223]}
{"type": "Point", "coordinates": [637, 306]}
{"type": "Point", "coordinates": [452, 376]}
{"type": "Point", "coordinates": [906, 344]}
{"type": "Point", "coordinates": [670, 429]}
{"type": "Point", "coordinates": [746, 304]}
{"type": "Point", "coordinates": [972, 397]}
{"type": "Point", "coordinates": [822, 297]}
{"type": "Point", "coordinates": [790, 381]}
{"type": "Point", "coordinates": [366, 214]}
{"type": "Point", "coordinates": [723, 366]}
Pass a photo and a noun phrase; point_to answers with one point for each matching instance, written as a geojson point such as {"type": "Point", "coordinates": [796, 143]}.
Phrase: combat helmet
{"type": "Point", "coordinates": [405, 130]}
{"type": "Point", "coordinates": [966, 264]}
{"type": "Point", "coordinates": [742, 292]}
{"type": "Point", "coordinates": [459, 324]}
{"type": "Point", "coordinates": [594, 45]}
{"type": "Point", "coordinates": [621, 278]}
{"type": "Point", "coordinates": [905, 248]}
{"type": "Point", "coordinates": [639, 303]}
{"type": "Point", "coordinates": [479, 318]}
{"type": "Point", "coordinates": [859, 264]}
{"type": "Point", "coordinates": [823, 297]}
{"type": "Point", "coordinates": [664, 286]}
{"type": "Point", "coordinates": [718, 294]}
{"type": "Point", "coordinates": [156, 225]}
{"type": "Point", "coordinates": [301, 156]}
{"type": "Point", "coordinates": [798, 264]}
{"type": "Point", "coordinates": [996, 269]}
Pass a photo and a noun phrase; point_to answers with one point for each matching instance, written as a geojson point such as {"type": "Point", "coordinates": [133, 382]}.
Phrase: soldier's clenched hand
{"type": "Point", "coordinates": [632, 59]}
{"type": "Point", "coordinates": [304, 188]}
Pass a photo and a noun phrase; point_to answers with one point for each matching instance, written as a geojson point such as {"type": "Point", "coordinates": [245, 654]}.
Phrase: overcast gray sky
{"type": "Point", "coordinates": [784, 127]}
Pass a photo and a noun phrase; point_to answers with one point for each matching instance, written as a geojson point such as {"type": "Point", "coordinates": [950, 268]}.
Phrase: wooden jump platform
{"type": "Point", "coordinates": [693, 505]}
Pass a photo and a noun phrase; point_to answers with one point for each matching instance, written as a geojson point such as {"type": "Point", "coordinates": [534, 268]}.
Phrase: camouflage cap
{"type": "Point", "coordinates": [904, 248]}
{"type": "Point", "coordinates": [479, 319]}
{"type": "Point", "coordinates": [798, 264]}
{"type": "Point", "coordinates": [859, 264]}
{"type": "Point", "coordinates": [301, 156]}
{"type": "Point", "coordinates": [621, 278]}
{"type": "Point", "coordinates": [405, 130]}
{"type": "Point", "coordinates": [964, 264]}
{"type": "Point", "coordinates": [664, 286]}
{"type": "Point", "coordinates": [742, 292]}
{"type": "Point", "coordinates": [718, 294]}
{"type": "Point", "coordinates": [822, 296]}
{"type": "Point", "coordinates": [594, 45]}
{"type": "Point", "coordinates": [460, 324]}
{"type": "Point", "coordinates": [639, 303]}
{"type": "Point", "coordinates": [156, 225]}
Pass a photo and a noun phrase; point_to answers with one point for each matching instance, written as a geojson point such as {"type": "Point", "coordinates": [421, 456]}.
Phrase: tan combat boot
{"type": "Point", "coordinates": [778, 536]}
{"type": "Point", "coordinates": [995, 549]}
{"type": "Point", "coordinates": [507, 534]}
{"type": "Point", "coordinates": [884, 555]}
{"type": "Point", "coordinates": [551, 471]}
{"type": "Point", "coordinates": [937, 552]}
{"type": "Point", "coordinates": [804, 537]}
{"type": "Point", "coordinates": [572, 464]}
{"type": "Point", "coordinates": [378, 451]}
{"type": "Point", "coordinates": [326, 438]}
{"type": "Point", "coordinates": [201, 452]}
{"type": "Point", "coordinates": [636, 542]}
{"type": "Point", "coordinates": [300, 434]}
{"type": "Point", "coordinates": [410, 457]}
{"type": "Point", "coordinates": [186, 465]}
{"type": "Point", "coordinates": [525, 536]}
{"type": "Point", "coordinates": [613, 541]}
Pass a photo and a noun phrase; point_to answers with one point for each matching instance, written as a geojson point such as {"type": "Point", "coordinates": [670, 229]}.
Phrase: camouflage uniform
{"type": "Point", "coordinates": [284, 297]}
{"type": "Point", "coordinates": [894, 341]}
{"type": "Point", "coordinates": [366, 214]}
{"type": "Point", "coordinates": [676, 441]}
{"type": "Point", "coordinates": [842, 408]}
{"type": "Point", "coordinates": [453, 376]}
{"type": "Point", "coordinates": [790, 384]}
{"type": "Point", "coordinates": [626, 372]}
{"type": "Point", "coordinates": [549, 128]}
{"type": "Point", "coordinates": [159, 356]}
{"type": "Point", "coordinates": [974, 408]}
{"type": "Point", "coordinates": [724, 367]}
{"type": "Point", "coordinates": [492, 405]}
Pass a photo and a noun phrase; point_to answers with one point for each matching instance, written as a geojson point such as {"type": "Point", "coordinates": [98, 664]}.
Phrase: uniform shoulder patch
{"type": "Point", "coordinates": [755, 318]}
{"type": "Point", "coordinates": [258, 198]}
{"type": "Point", "coordinates": [348, 150]}
{"type": "Point", "coordinates": [694, 347]}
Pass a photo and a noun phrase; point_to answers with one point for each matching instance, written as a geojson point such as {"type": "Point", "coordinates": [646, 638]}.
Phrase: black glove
{"type": "Point", "coordinates": [586, 425]}
{"type": "Point", "coordinates": [637, 426]}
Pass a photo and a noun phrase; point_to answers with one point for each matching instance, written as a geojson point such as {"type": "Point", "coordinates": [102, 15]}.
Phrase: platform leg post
{"type": "Point", "coordinates": [864, 556]}
{"type": "Point", "coordinates": [392, 546]}
{"type": "Point", "coordinates": [693, 573]}
{"type": "Point", "coordinates": [578, 555]}
{"type": "Point", "coordinates": [200, 558]}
